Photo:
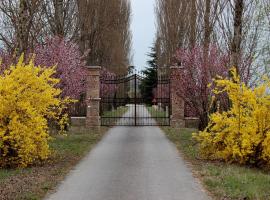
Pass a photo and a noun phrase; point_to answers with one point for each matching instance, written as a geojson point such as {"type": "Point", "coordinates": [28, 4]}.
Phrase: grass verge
{"type": "Point", "coordinates": [35, 182]}
{"type": "Point", "coordinates": [155, 112]}
{"type": "Point", "coordinates": [223, 181]}
{"type": "Point", "coordinates": [116, 113]}
{"type": "Point", "coordinates": [113, 116]}
{"type": "Point", "coordinates": [159, 115]}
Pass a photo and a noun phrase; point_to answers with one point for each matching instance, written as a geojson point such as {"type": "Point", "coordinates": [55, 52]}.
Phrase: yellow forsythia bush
{"type": "Point", "coordinates": [241, 134]}
{"type": "Point", "coordinates": [28, 98]}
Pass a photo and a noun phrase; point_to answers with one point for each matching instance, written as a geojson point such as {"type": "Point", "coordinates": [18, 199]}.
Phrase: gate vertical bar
{"type": "Point", "coordinates": [170, 103]}
{"type": "Point", "coordinates": [135, 99]}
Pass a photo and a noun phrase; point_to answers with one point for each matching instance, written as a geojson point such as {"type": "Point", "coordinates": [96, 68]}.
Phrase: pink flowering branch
{"type": "Point", "coordinates": [193, 79]}
{"type": "Point", "coordinates": [69, 61]}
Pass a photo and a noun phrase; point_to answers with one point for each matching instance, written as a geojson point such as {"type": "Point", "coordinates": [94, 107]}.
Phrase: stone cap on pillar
{"type": "Point", "coordinates": [93, 70]}
{"type": "Point", "coordinates": [94, 99]}
{"type": "Point", "coordinates": [175, 68]}
{"type": "Point", "coordinates": [93, 67]}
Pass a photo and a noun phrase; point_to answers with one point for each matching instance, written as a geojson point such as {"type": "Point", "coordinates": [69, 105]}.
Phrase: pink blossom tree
{"type": "Point", "coordinates": [198, 70]}
{"type": "Point", "coordinates": [69, 62]}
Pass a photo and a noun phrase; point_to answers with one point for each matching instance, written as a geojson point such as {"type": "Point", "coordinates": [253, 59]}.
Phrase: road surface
{"type": "Point", "coordinates": [131, 163]}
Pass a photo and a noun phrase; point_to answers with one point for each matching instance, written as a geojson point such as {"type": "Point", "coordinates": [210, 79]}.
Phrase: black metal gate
{"type": "Point", "coordinates": [130, 101]}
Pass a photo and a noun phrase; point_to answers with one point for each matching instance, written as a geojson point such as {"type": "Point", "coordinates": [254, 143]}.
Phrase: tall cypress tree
{"type": "Point", "coordinates": [150, 81]}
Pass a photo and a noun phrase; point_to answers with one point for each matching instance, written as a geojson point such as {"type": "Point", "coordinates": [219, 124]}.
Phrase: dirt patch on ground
{"type": "Point", "coordinates": [36, 182]}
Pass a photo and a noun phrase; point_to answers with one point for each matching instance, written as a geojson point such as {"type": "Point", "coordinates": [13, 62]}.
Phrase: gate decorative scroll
{"type": "Point", "coordinates": [124, 104]}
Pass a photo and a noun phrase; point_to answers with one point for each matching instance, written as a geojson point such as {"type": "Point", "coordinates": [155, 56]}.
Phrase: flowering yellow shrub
{"type": "Point", "coordinates": [242, 134]}
{"type": "Point", "coordinates": [28, 98]}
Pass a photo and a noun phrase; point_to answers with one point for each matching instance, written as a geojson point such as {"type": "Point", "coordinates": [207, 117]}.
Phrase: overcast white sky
{"type": "Point", "coordinates": [143, 30]}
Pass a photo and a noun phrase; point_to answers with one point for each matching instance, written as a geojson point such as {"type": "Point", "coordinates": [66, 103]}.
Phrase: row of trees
{"type": "Point", "coordinates": [100, 27]}
{"type": "Point", "coordinates": [207, 38]}
{"type": "Point", "coordinates": [58, 39]}
{"type": "Point", "coordinates": [238, 27]}
{"type": "Point", "coordinates": [221, 46]}
{"type": "Point", "coordinates": [44, 48]}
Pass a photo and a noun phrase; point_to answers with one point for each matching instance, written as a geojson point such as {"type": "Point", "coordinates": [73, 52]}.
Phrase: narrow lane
{"type": "Point", "coordinates": [131, 163]}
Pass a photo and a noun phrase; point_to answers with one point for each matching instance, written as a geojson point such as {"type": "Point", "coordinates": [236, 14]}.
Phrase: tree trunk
{"type": "Point", "coordinates": [204, 119]}
{"type": "Point", "coordinates": [207, 27]}
{"type": "Point", "coordinates": [59, 17]}
{"type": "Point", "coordinates": [22, 32]}
{"type": "Point", "coordinates": [238, 33]}
{"type": "Point", "coordinates": [193, 21]}
{"type": "Point", "coordinates": [182, 25]}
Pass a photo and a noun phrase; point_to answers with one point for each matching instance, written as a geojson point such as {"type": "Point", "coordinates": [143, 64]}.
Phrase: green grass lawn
{"type": "Point", "coordinates": [112, 117]}
{"type": "Point", "coordinates": [223, 181]}
{"type": "Point", "coordinates": [156, 113]}
{"type": "Point", "coordinates": [115, 113]}
{"type": "Point", "coordinates": [159, 115]}
{"type": "Point", "coordinates": [35, 182]}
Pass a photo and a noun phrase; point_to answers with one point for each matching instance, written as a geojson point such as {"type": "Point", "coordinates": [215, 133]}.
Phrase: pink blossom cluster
{"type": "Point", "coordinates": [69, 63]}
{"type": "Point", "coordinates": [6, 59]}
{"type": "Point", "coordinates": [198, 68]}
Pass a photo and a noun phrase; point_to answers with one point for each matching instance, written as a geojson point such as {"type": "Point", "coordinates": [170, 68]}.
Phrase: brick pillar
{"type": "Point", "coordinates": [177, 103]}
{"type": "Point", "coordinates": [93, 97]}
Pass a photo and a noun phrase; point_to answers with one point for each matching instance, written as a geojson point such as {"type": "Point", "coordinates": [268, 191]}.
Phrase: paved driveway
{"type": "Point", "coordinates": [131, 163]}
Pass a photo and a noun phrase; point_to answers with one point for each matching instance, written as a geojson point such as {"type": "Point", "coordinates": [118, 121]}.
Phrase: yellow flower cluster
{"type": "Point", "coordinates": [28, 99]}
{"type": "Point", "coordinates": [241, 134]}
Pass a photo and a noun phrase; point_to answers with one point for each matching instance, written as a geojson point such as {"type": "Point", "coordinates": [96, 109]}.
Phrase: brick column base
{"type": "Point", "coordinates": [177, 103]}
{"type": "Point", "coordinates": [93, 97]}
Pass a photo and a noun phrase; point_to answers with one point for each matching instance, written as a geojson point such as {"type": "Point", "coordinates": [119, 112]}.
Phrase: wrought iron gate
{"type": "Point", "coordinates": [129, 101]}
